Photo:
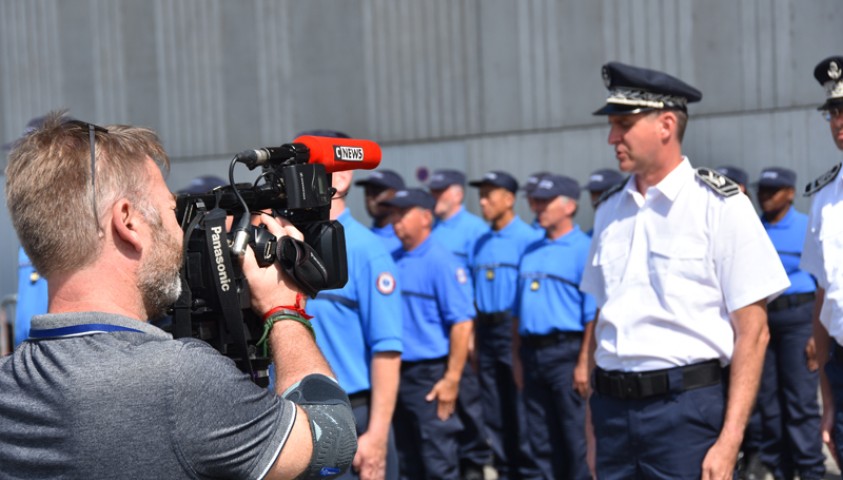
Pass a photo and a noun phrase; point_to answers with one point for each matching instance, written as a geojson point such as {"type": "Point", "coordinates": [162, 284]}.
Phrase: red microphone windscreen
{"type": "Point", "coordinates": [338, 154]}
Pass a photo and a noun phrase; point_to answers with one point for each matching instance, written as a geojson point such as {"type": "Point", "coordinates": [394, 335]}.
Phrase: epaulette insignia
{"type": "Point", "coordinates": [611, 191]}
{"type": "Point", "coordinates": [824, 180]}
{"type": "Point", "coordinates": [721, 184]}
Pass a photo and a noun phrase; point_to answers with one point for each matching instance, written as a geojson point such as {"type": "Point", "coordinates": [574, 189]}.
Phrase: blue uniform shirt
{"type": "Point", "coordinates": [788, 236]}
{"type": "Point", "coordinates": [388, 237]}
{"type": "Point", "coordinates": [459, 233]}
{"type": "Point", "coordinates": [549, 298]}
{"type": "Point", "coordinates": [495, 264]}
{"type": "Point", "coordinates": [363, 317]}
{"type": "Point", "coordinates": [32, 297]}
{"type": "Point", "coordinates": [435, 295]}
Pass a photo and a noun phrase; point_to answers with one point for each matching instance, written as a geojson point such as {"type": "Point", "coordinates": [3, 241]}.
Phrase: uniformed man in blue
{"type": "Point", "coordinates": [455, 226]}
{"type": "Point", "coordinates": [551, 350]}
{"type": "Point", "coordinates": [601, 180]}
{"type": "Point", "coordinates": [358, 329]}
{"type": "Point", "coordinates": [822, 257]}
{"type": "Point", "coordinates": [438, 324]}
{"type": "Point", "coordinates": [529, 185]}
{"type": "Point", "coordinates": [787, 398]}
{"type": "Point", "coordinates": [495, 272]}
{"type": "Point", "coordinates": [379, 186]}
{"type": "Point", "coordinates": [681, 270]}
{"type": "Point", "coordinates": [598, 182]}
{"type": "Point", "coordinates": [458, 229]}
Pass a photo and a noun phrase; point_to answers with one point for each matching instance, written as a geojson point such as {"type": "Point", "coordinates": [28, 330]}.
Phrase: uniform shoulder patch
{"type": "Point", "coordinates": [462, 277]}
{"type": "Point", "coordinates": [611, 191]}
{"type": "Point", "coordinates": [822, 181]}
{"type": "Point", "coordinates": [718, 182]}
{"type": "Point", "coordinates": [385, 283]}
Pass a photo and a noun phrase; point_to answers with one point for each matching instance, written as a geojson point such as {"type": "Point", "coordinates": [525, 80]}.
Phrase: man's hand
{"type": "Point", "coordinates": [370, 460]}
{"type": "Point", "coordinates": [445, 391]}
{"type": "Point", "coordinates": [827, 429]}
{"type": "Point", "coordinates": [270, 287]}
{"type": "Point", "coordinates": [719, 462]}
{"type": "Point", "coordinates": [811, 355]}
{"type": "Point", "coordinates": [581, 384]}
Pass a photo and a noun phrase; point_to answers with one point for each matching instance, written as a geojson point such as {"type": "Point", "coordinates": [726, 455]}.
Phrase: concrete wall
{"type": "Point", "coordinates": [478, 85]}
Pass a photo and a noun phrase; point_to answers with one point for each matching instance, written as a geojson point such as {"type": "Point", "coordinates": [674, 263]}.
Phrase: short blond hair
{"type": "Point", "coordinates": [48, 187]}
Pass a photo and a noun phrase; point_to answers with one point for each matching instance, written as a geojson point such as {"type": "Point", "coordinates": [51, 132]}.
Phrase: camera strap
{"type": "Point", "coordinates": [223, 273]}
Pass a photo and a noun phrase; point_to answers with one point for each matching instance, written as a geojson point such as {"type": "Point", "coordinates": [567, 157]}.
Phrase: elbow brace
{"type": "Point", "coordinates": [332, 425]}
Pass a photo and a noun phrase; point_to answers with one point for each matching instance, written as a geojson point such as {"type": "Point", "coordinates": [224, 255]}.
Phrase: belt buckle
{"type": "Point", "coordinates": [630, 385]}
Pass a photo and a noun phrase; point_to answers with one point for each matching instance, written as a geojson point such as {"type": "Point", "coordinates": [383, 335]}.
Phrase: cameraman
{"type": "Point", "coordinates": [96, 391]}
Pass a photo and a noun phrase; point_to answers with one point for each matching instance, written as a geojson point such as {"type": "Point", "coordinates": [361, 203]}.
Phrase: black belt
{"type": "Point", "coordinates": [785, 302]}
{"type": "Point", "coordinates": [492, 319]}
{"type": "Point", "coordinates": [548, 340]}
{"type": "Point", "coordinates": [359, 399]}
{"type": "Point", "coordinates": [638, 385]}
{"type": "Point", "coordinates": [429, 361]}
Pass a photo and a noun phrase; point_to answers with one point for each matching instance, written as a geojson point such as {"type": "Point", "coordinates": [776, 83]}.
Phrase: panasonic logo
{"type": "Point", "coordinates": [219, 259]}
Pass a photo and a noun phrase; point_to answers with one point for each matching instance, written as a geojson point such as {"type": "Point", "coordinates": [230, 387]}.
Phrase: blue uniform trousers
{"type": "Point", "coordinates": [360, 407]}
{"type": "Point", "coordinates": [555, 411]}
{"type": "Point", "coordinates": [787, 398]}
{"type": "Point", "coordinates": [503, 405]}
{"type": "Point", "coordinates": [664, 437]}
{"type": "Point", "coordinates": [834, 372]}
{"type": "Point", "coordinates": [427, 446]}
{"type": "Point", "coordinates": [473, 439]}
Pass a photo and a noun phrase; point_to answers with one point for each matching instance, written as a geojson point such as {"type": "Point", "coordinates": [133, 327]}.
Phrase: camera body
{"type": "Point", "coordinates": [294, 183]}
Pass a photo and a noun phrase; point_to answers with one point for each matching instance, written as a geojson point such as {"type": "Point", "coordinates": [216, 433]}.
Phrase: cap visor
{"type": "Point", "coordinates": [831, 103]}
{"type": "Point", "coordinates": [617, 109]}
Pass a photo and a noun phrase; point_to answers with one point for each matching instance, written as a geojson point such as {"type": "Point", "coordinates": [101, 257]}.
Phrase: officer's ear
{"type": "Point", "coordinates": [666, 125]}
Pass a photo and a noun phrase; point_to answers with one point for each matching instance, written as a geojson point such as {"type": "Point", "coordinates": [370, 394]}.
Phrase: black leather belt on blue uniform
{"type": "Point", "coordinates": [549, 339]}
{"type": "Point", "coordinates": [359, 399]}
{"type": "Point", "coordinates": [492, 319]}
{"type": "Point", "coordinates": [639, 385]}
{"type": "Point", "coordinates": [785, 302]}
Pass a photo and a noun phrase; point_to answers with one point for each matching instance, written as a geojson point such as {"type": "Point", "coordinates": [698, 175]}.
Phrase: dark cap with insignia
{"type": "Point", "coordinates": [777, 177]}
{"type": "Point", "coordinates": [442, 179]}
{"type": "Point", "coordinates": [552, 186]}
{"type": "Point", "coordinates": [601, 180]}
{"type": "Point", "coordinates": [829, 73]}
{"type": "Point", "coordinates": [497, 179]}
{"type": "Point", "coordinates": [734, 174]}
{"type": "Point", "coordinates": [411, 197]}
{"type": "Point", "coordinates": [634, 90]}
{"type": "Point", "coordinates": [533, 180]}
{"type": "Point", "coordinates": [383, 179]}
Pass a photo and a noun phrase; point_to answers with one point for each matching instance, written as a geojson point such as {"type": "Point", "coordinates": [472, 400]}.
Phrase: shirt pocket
{"type": "Point", "coordinates": [677, 267]}
{"type": "Point", "coordinates": [610, 259]}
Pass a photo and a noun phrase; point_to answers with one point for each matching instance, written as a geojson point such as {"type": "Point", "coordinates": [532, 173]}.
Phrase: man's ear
{"type": "Point", "coordinates": [667, 125]}
{"type": "Point", "coordinates": [125, 221]}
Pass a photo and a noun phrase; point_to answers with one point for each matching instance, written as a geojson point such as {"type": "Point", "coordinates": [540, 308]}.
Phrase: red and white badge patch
{"type": "Point", "coordinates": [386, 283]}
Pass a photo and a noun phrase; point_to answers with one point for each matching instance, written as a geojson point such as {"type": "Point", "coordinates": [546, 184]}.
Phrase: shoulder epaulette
{"type": "Point", "coordinates": [611, 191]}
{"type": "Point", "coordinates": [718, 182]}
{"type": "Point", "coordinates": [822, 181]}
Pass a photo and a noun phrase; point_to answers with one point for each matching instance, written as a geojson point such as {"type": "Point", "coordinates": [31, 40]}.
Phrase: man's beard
{"type": "Point", "coordinates": [159, 279]}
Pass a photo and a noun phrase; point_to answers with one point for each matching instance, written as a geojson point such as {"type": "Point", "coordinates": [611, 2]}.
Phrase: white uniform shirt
{"type": "Point", "coordinates": [822, 255]}
{"type": "Point", "coordinates": [666, 270]}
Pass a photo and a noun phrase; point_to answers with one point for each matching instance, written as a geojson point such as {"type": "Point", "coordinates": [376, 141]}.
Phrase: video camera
{"type": "Point", "coordinates": [295, 183]}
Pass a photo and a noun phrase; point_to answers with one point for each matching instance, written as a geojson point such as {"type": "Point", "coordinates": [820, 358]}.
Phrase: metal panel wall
{"type": "Point", "coordinates": [474, 84]}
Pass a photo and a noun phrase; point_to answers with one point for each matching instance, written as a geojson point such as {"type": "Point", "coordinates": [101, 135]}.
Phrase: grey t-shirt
{"type": "Point", "coordinates": [132, 404]}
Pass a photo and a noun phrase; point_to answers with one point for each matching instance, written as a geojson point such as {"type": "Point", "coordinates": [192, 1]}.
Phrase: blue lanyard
{"type": "Point", "coordinates": [78, 331]}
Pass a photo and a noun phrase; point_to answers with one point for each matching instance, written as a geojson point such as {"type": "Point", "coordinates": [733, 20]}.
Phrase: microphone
{"type": "Point", "coordinates": [338, 154]}
{"type": "Point", "coordinates": [261, 156]}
